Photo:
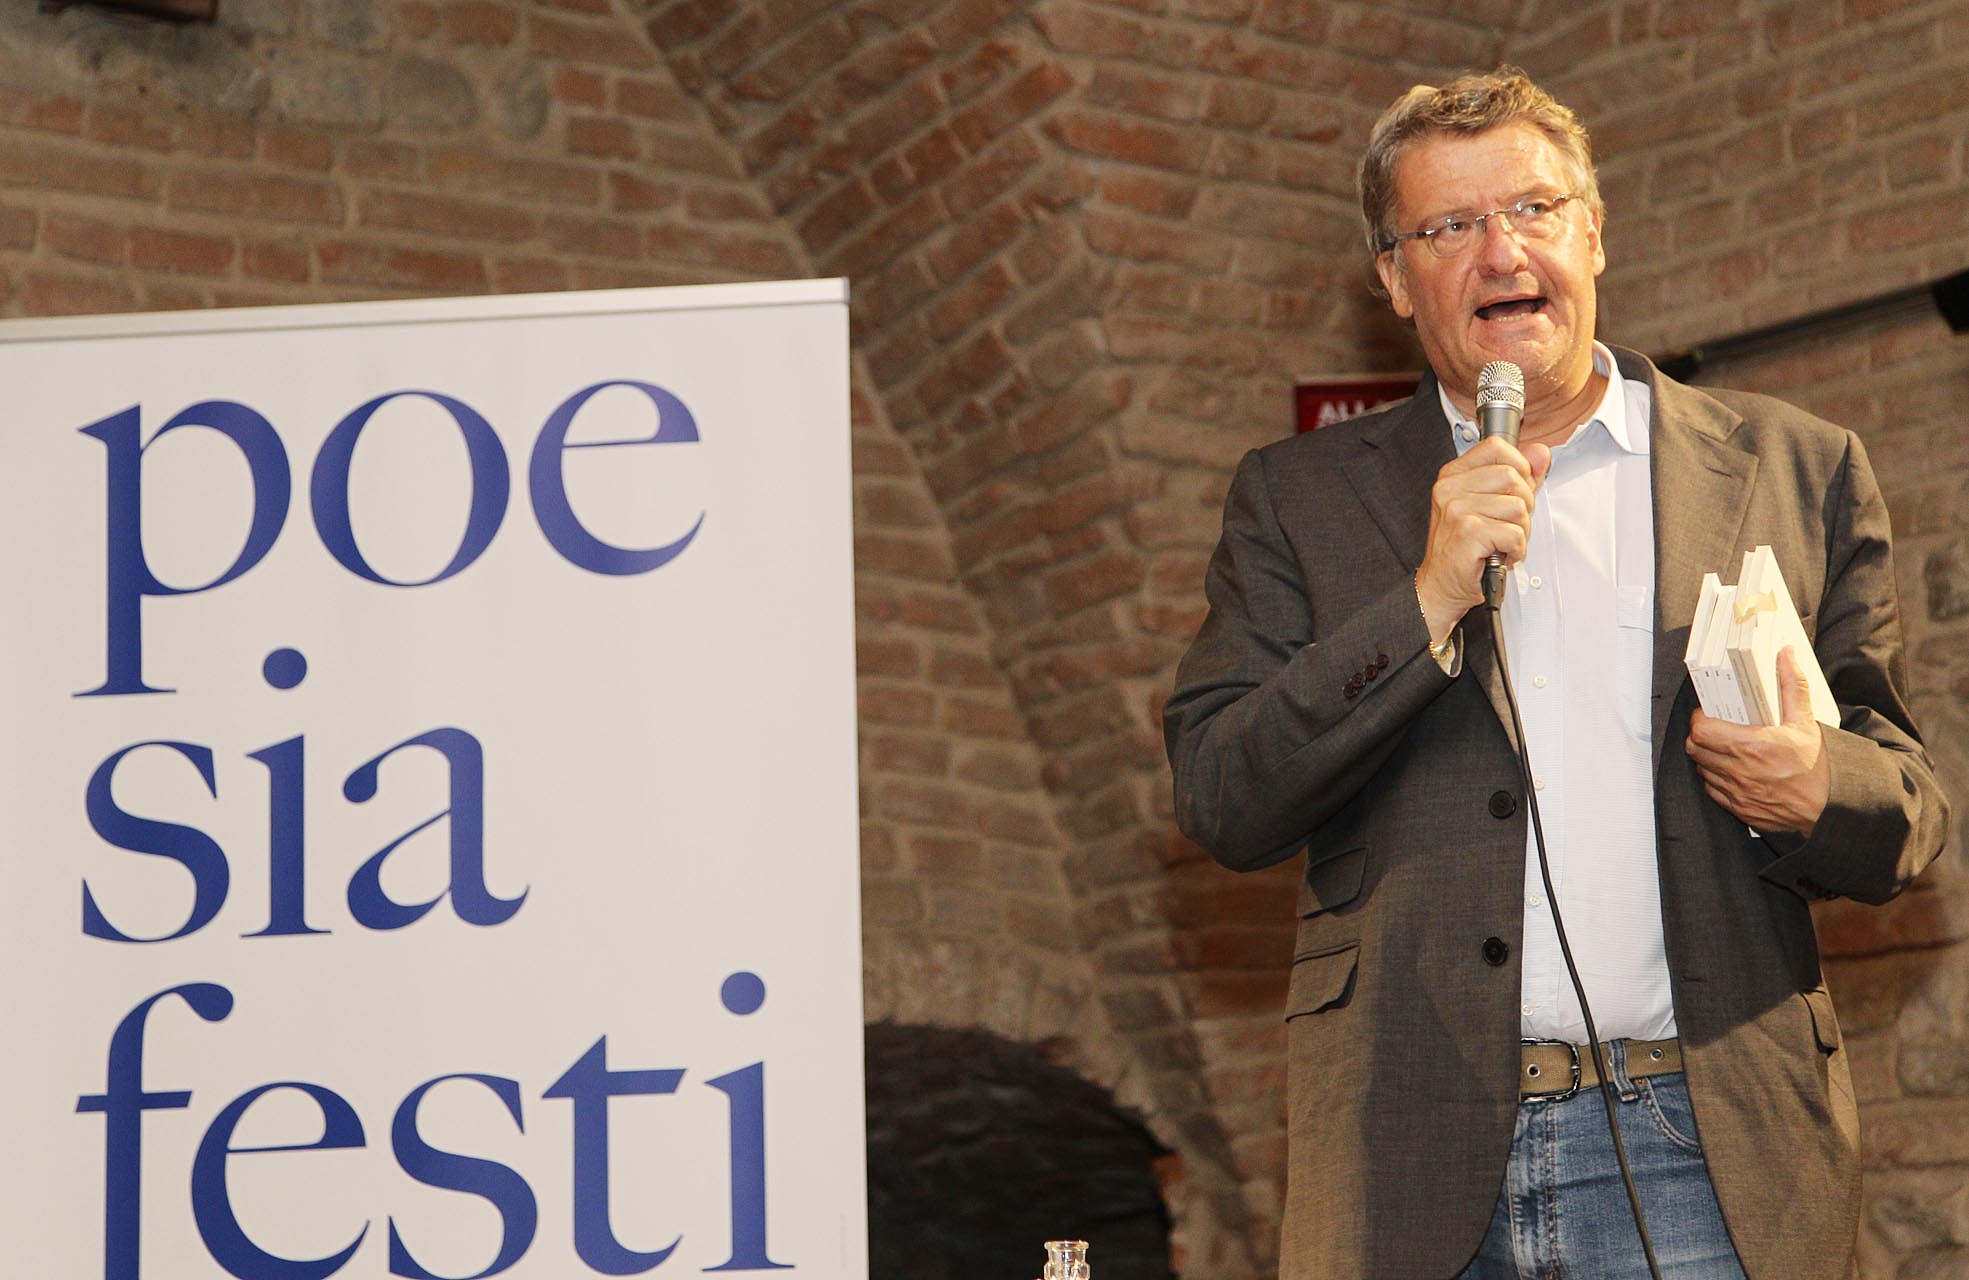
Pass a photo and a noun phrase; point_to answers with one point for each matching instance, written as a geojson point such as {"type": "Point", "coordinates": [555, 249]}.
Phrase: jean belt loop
{"type": "Point", "coordinates": [1617, 1071]}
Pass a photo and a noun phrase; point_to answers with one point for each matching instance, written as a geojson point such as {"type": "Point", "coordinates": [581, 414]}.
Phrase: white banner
{"type": "Point", "coordinates": [429, 764]}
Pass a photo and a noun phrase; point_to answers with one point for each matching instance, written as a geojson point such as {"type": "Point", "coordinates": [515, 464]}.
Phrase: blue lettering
{"type": "Point", "coordinates": [211, 1203]}
{"type": "Point", "coordinates": [475, 904]}
{"type": "Point", "coordinates": [504, 1189]}
{"type": "Point", "coordinates": [287, 865]}
{"type": "Point", "coordinates": [191, 848]}
{"type": "Point", "coordinates": [589, 1084]}
{"type": "Point", "coordinates": [745, 1092]}
{"type": "Point", "coordinates": [127, 576]}
{"type": "Point", "coordinates": [123, 1103]}
{"type": "Point", "coordinates": [547, 483]}
{"type": "Point", "coordinates": [329, 488]}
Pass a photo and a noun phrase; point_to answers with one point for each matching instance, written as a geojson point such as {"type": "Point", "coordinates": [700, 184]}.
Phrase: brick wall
{"type": "Point", "coordinates": [1092, 242]}
{"type": "Point", "coordinates": [356, 149]}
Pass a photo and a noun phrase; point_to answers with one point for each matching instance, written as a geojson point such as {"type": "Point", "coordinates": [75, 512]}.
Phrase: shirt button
{"type": "Point", "coordinates": [1467, 431]}
{"type": "Point", "coordinates": [1526, 1010]}
{"type": "Point", "coordinates": [1534, 902]}
{"type": "Point", "coordinates": [1536, 582]}
{"type": "Point", "coordinates": [1538, 783]}
{"type": "Point", "coordinates": [1538, 681]}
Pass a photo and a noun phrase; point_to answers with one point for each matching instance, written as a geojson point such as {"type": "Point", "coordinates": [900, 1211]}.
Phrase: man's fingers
{"type": "Point", "coordinates": [1718, 795]}
{"type": "Point", "coordinates": [1794, 689]}
{"type": "Point", "coordinates": [1505, 508]}
{"type": "Point", "coordinates": [1718, 738]}
{"type": "Point", "coordinates": [1493, 478]}
{"type": "Point", "coordinates": [1491, 465]}
{"type": "Point", "coordinates": [1724, 791]}
{"type": "Point", "coordinates": [1711, 760]}
{"type": "Point", "coordinates": [1494, 450]}
{"type": "Point", "coordinates": [1540, 457]}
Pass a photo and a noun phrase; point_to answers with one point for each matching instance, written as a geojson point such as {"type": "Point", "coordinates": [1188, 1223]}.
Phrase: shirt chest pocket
{"type": "Point", "coordinates": [1633, 662]}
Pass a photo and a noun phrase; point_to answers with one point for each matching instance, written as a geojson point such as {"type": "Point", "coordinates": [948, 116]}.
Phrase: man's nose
{"type": "Point", "coordinates": [1502, 251]}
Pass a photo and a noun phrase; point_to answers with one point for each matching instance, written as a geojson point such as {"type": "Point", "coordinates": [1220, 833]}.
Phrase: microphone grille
{"type": "Point", "coordinates": [1501, 382]}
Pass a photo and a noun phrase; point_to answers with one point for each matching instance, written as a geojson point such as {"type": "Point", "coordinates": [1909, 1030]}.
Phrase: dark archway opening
{"type": "Point", "coordinates": [980, 1150]}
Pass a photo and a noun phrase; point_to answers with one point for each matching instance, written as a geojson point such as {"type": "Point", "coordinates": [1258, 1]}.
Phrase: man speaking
{"type": "Point", "coordinates": [1346, 697]}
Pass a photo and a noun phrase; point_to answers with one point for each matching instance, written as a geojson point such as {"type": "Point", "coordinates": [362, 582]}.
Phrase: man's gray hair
{"type": "Point", "coordinates": [1469, 104]}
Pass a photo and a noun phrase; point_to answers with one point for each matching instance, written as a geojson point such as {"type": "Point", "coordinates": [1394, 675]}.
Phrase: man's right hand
{"type": "Point", "coordinates": [1481, 505]}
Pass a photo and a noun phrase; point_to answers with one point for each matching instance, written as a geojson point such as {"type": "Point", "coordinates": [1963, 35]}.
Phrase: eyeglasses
{"type": "Point", "coordinates": [1531, 217]}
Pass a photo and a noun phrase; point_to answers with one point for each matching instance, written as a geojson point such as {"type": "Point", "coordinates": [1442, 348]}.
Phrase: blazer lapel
{"type": "Point", "coordinates": [1701, 493]}
{"type": "Point", "coordinates": [1395, 471]}
{"type": "Point", "coordinates": [1393, 475]}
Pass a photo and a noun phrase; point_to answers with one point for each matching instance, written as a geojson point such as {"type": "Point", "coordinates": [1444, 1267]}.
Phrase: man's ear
{"type": "Point", "coordinates": [1394, 278]}
{"type": "Point", "coordinates": [1594, 242]}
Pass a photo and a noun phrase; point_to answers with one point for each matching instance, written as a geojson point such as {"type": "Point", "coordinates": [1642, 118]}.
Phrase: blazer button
{"type": "Point", "coordinates": [1380, 662]}
{"type": "Point", "coordinates": [1351, 691]}
{"type": "Point", "coordinates": [1502, 805]}
{"type": "Point", "coordinates": [1496, 951]}
{"type": "Point", "coordinates": [1371, 672]}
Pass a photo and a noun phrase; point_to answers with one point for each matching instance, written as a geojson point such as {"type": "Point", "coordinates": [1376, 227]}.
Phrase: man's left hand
{"type": "Point", "coordinates": [1773, 777]}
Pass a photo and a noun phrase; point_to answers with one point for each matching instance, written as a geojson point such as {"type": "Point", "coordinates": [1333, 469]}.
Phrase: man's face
{"type": "Point", "coordinates": [1507, 298]}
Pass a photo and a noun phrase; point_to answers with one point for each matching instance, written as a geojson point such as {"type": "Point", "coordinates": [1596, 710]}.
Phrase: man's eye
{"type": "Point", "coordinates": [1534, 208]}
{"type": "Point", "coordinates": [1453, 226]}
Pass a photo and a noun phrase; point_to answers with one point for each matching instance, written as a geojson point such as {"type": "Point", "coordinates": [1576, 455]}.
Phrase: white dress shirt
{"type": "Point", "coordinates": [1578, 620]}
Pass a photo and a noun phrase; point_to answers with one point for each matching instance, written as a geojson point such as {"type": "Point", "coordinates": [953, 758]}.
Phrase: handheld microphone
{"type": "Point", "coordinates": [1500, 407]}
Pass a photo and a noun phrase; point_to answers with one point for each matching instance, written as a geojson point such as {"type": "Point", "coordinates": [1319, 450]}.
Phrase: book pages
{"type": "Point", "coordinates": [1734, 641]}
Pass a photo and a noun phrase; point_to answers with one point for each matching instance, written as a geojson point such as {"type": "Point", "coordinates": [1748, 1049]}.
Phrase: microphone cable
{"type": "Point", "coordinates": [1493, 606]}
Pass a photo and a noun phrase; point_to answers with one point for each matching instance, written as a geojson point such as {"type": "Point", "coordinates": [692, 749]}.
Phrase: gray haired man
{"type": "Point", "coordinates": [1345, 699]}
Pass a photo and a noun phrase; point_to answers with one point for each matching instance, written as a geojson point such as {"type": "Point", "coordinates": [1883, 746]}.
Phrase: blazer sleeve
{"type": "Point", "coordinates": [1274, 723]}
{"type": "Point", "coordinates": [1887, 817]}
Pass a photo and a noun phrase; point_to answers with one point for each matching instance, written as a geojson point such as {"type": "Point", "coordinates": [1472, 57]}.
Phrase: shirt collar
{"type": "Point", "coordinates": [1611, 414]}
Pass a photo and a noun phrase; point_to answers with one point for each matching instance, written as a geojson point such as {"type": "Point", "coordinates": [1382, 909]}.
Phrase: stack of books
{"type": "Point", "coordinates": [1734, 644]}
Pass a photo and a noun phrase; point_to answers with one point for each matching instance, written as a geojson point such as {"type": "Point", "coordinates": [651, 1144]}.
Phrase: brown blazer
{"type": "Point", "coordinates": [1406, 799]}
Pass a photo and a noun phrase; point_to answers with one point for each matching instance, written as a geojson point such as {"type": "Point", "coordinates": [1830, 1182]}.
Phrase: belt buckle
{"type": "Point", "coordinates": [1572, 1089]}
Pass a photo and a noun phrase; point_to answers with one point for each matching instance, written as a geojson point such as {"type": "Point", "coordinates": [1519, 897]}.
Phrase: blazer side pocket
{"type": "Point", "coordinates": [1825, 1023]}
{"type": "Point", "coordinates": [1332, 882]}
{"type": "Point", "coordinates": [1322, 980]}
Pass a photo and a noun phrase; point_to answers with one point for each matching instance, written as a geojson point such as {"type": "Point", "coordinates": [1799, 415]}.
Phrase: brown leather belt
{"type": "Point", "coordinates": [1552, 1069]}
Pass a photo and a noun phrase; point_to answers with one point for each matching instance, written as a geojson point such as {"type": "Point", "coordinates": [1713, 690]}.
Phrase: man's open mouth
{"type": "Point", "coordinates": [1511, 309]}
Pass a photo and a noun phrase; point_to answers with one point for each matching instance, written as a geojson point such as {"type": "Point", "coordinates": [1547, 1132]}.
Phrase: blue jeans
{"type": "Point", "coordinates": [1563, 1213]}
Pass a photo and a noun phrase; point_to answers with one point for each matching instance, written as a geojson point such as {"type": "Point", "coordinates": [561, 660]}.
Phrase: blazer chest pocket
{"type": "Point", "coordinates": [1322, 980]}
{"type": "Point", "coordinates": [1332, 882]}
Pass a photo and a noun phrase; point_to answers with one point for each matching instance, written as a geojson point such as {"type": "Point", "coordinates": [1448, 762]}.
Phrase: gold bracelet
{"type": "Point", "coordinates": [1440, 652]}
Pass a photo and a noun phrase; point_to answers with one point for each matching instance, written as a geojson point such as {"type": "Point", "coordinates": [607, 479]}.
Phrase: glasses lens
{"type": "Point", "coordinates": [1533, 216]}
{"type": "Point", "coordinates": [1454, 235]}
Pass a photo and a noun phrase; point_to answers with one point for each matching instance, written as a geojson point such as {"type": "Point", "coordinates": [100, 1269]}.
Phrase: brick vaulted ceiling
{"type": "Point", "coordinates": [1091, 244]}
